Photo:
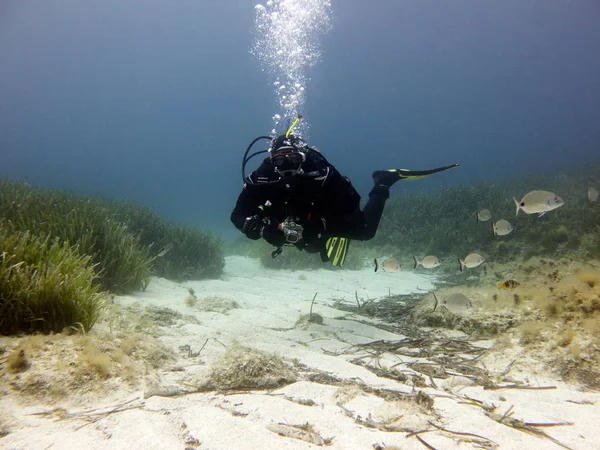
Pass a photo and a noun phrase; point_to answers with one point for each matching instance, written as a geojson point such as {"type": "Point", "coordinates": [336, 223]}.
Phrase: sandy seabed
{"type": "Point", "coordinates": [316, 382]}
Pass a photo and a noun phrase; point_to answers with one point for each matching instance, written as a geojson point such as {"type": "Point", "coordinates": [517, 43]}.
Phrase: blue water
{"type": "Point", "coordinates": [155, 101]}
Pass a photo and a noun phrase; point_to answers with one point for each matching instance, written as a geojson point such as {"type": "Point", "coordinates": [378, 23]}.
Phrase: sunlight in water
{"type": "Point", "coordinates": [288, 43]}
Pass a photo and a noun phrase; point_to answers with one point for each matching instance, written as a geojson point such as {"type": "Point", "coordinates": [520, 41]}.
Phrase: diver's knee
{"type": "Point", "coordinates": [381, 191]}
{"type": "Point", "coordinates": [369, 235]}
{"type": "Point", "coordinates": [366, 235]}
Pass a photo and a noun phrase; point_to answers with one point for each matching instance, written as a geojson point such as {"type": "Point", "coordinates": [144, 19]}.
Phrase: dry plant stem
{"type": "Point", "coordinates": [414, 433]}
{"type": "Point", "coordinates": [517, 386]}
{"type": "Point", "coordinates": [311, 305]}
{"type": "Point", "coordinates": [507, 413]}
{"type": "Point", "coordinates": [582, 402]}
{"type": "Point", "coordinates": [446, 358]}
{"type": "Point", "coordinates": [459, 433]}
{"type": "Point", "coordinates": [517, 424]}
{"type": "Point", "coordinates": [204, 345]}
{"type": "Point", "coordinates": [91, 412]}
{"type": "Point", "coordinates": [215, 339]}
{"type": "Point", "coordinates": [431, 447]}
{"type": "Point", "coordinates": [557, 424]}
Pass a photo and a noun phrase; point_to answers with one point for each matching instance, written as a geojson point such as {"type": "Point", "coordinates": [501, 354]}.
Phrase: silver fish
{"type": "Point", "coordinates": [484, 215]}
{"type": "Point", "coordinates": [456, 303]}
{"type": "Point", "coordinates": [502, 228]}
{"type": "Point", "coordinates": [390, 265]}
{"type": "Point", "coordinates": [429, 262]}
{"type": "Point", "coordinates": [163, 251]}
{"type": "Point", "coordinates": [538, 202]}
{"type": "Point", "coordinates": [592, 195]}
{"type": "Point", "coordinates": [471, 261]}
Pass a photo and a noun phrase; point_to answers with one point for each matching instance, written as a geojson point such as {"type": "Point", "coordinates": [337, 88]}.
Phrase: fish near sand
{"type": "Point", "coordinates": [508, 284]}
{"type": "Point", "coordinates": [502, 228]}
{"type": "Point", "coordinates": [456, 303]}
{"type": "Point", "coordinates": [471, 261]}
{"type": "Point", "coordinates": [592, 195]}
{"type": "Point", "coordinates": [429, 262]}
{"type": "Point", "coordinates": [390, 265]}
{"type": "Point", "coordinates": [484, 215]}
{"type": "Point", "coordinates": [538, 202]}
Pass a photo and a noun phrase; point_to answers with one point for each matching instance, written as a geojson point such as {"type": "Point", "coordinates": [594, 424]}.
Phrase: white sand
{"type": "Point", "coordinates": [270, 303]}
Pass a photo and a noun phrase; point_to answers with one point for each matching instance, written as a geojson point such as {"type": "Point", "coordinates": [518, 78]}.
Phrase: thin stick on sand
{"type": "Point", "coordinates": [460, 433]}
{"type": "Point", "coordinates": [311, 306]}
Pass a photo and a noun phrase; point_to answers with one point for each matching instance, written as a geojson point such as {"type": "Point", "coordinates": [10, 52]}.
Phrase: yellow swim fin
{"type": "Point", "coordinates": [336, 249]}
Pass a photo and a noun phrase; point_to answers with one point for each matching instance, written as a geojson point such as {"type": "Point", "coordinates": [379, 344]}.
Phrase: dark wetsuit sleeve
{"type": "Point", "coordinates": [247, 205]}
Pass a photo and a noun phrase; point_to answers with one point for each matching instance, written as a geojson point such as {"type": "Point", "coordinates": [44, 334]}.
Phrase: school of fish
{"type": "Point", "coordinates": [534, 202]}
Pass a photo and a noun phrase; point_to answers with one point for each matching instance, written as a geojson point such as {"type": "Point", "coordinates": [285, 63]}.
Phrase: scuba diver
{"type": "Point", "coordinates": [298, 198]}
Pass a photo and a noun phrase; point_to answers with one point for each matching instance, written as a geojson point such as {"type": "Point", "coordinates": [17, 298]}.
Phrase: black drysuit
{"type": "Point", "coordinates": [320, 199]}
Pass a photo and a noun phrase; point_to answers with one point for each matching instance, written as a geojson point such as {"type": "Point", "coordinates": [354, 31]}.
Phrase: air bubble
{"type": "Point", "coordinates": [288, 44]}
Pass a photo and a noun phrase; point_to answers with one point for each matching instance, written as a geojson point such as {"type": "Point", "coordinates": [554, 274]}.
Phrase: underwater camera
{"type": "Point", "coordinates": [292, 230]}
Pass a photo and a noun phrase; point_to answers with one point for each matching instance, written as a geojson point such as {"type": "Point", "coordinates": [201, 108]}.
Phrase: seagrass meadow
{"type": "Point", "coordinates": [444, 222]}
{"type": "Point", "coordinates": [62, 254]}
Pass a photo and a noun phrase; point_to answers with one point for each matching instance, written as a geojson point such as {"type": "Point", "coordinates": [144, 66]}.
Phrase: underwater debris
{"type": "Point", "coordinates": [530, 427]}
{"type": "Point", "coordinates": [479, 323]}
{"type": "Point", "coordinates": [446, 357]}
{"type": "Point", "coordinates": [216, 303]}
{"type": "Point", "coordinates": [305, 319]}
{"type": "Point", "coordinates": [16, 361]}
{"type": "Point", "coordinates": [304, 432]}
{"type": "Point", "coordinates": [477, 440]}
{"type": "Point", "coordinates": [162, 316]}
{"type": "Point", "coordinates": [589, 277]}
{"type": "Point", "coordinates": [6, 422]}
{"type": "Point", "coordinates": [187, 349]}
{"type": "Point", "coordinates": [316, 318]}
{"type": "Point", "coordinates": [191, 298]}
{"type": "Point", "coordinates": [244, 368]}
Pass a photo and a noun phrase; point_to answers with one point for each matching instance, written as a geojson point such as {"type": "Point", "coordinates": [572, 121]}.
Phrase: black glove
{"type": "Point", "coordinates": [253, 227]}
{"type": "Point", "coordinates": [314, 226]}
{"type": "Point", "coordinates": [273, 236]}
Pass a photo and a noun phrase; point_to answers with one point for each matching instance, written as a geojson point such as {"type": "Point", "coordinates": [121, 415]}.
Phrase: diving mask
{"type": "Point", "coordinates": [287, 160]}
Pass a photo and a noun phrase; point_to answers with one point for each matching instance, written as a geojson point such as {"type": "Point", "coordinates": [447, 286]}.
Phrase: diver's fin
{"type": "Point", "coordinates": [405, 174]}
{"type": "Point", "coordinates": [337, 248]}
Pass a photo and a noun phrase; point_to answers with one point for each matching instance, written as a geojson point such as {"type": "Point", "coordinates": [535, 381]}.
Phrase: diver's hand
{"type": "Point", "coordinates": [273, 235]}
{"type": "Point", "coordinates": [314, 226]}
{"type": "Point", "coordinates": [253, 226]}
